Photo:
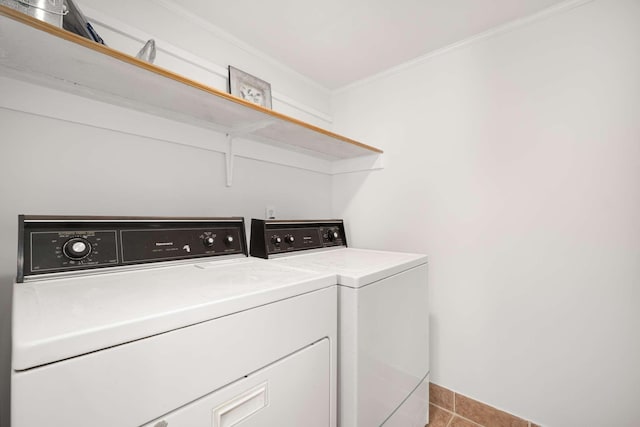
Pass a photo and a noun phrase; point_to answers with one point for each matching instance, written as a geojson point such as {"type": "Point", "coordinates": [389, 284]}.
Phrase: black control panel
{"type": "Point", "coordinates": [272, 237]}
{"type": "Point", "coordinates": [56, 244]}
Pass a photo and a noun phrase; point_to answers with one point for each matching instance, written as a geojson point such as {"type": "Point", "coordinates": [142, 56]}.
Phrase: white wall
{"type": "Point", "coordinates": [514, 163]}
{"type": "Point", "coordinates": [67, 155]}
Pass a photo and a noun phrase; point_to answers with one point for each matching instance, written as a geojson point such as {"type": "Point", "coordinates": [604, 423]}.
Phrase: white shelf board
{"type": "Point", "coordinates": [47, 55]}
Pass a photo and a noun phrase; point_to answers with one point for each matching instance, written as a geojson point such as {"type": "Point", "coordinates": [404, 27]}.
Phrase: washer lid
{"type": "Point", "coordinates": [354, 267]}
{"type": "Point", "coordinates": [62, 318]}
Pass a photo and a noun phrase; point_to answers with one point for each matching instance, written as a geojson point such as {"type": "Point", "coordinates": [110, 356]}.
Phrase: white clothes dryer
{"type": "Point", "coordinates": [383, 320]}
{"type": "Point", "coordinates": [165, 322]}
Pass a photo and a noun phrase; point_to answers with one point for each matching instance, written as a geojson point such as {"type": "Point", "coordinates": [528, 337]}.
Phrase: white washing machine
{"type": "Point", "coordinates": [166, 323]}
{"type": "Point", "coordinates": [383, 326]}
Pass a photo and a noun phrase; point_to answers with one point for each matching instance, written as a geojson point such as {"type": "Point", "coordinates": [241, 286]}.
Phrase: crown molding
{"type": "Point", "coordinates": [502, 29]}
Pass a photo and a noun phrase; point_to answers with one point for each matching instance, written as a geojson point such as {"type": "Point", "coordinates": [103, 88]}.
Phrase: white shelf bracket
{"type": "Point", "coordinates": [229, 159]}
{"type": "Point", "coordinates": [239, 132]}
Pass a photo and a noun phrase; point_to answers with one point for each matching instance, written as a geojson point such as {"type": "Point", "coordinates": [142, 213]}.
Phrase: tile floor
{"type": "Point", "coordinates": [450, 409]}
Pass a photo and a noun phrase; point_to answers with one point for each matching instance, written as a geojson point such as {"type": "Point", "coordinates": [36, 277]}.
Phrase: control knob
{"type": "Point", "coordinates": [208, 241]}
{"type": "Point", "coordinates": [289, 238]}
{"type": "Point", "coordinates": [332, 235]}
{"type": "Point", "coordinates": [228, 240]}
{"type": "Point", "coordinates": [76, 248]}
{"type": "Point", "coordinates": [276, 240]}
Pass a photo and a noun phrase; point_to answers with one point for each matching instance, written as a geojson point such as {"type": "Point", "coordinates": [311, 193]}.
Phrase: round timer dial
{"type": "Point", "coordinates": [76, 248]}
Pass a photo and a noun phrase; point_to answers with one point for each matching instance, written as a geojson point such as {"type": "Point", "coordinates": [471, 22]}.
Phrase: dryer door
{"type": "Point", "coordinates": [271, 396]}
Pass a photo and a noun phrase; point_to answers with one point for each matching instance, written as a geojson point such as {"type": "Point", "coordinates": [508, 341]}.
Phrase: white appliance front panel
{"type": "Point", "coordinates": [292, 392]}
{"type": "Point", "coordinates": [57, 319]}
{"type": "Point", "coordinates": [354, 267]}
{"type": "Point", "coordinates": [383, 346]}
{"type": "Point", "coordinates": [134, 383]}
{"type": "Point", "coordinates": [414, 412]}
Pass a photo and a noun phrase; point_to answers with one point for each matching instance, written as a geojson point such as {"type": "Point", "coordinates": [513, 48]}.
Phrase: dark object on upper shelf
{"type": "Point", "coordinates": [76, 22]}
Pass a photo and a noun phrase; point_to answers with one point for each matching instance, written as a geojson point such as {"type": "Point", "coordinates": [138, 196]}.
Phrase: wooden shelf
{"type": "Point", "coordinates": [35, 51]}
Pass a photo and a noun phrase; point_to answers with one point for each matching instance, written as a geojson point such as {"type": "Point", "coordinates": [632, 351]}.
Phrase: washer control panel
{"type": "Point", "coordinates": [272, 237]}
{"type": "Point", "coordinates": [57, 245]}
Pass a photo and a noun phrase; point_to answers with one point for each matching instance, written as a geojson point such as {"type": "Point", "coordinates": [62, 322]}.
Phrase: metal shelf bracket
{"type": "Point", "coordinates": [229, 159]}
{"type": "Point", "coordinates": [236, 133]}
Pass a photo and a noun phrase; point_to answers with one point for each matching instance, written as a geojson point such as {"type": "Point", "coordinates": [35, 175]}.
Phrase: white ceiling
{"type": "Point", "coordinates": [338, 42]}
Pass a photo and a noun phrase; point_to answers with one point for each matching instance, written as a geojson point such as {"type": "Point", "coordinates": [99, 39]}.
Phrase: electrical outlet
{"type": "Point", "coordinates": [270, 212]}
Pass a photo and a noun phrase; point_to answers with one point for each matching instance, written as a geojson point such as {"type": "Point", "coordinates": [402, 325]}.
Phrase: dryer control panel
{"type": "Point", "coordinates": [54, 245]}
{"type": "Point", "coordinates": [273, 237]}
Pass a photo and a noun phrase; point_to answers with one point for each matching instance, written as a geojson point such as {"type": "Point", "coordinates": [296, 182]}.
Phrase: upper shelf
{"type": "Point", "coordinates": [28, 50]}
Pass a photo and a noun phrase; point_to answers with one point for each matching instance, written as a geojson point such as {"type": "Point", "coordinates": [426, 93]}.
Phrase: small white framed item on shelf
{"type": "Point", "coordinates": [249, 88]}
